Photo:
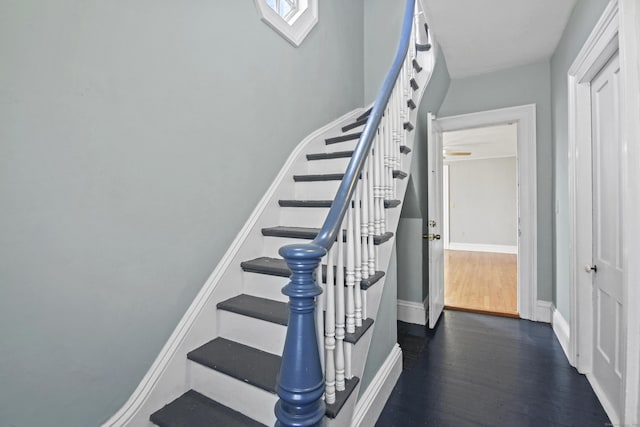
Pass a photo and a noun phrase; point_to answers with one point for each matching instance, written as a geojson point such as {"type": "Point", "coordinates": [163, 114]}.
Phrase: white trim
{"type": "Point", "coordinates": [629, 34]}
{"type": "Point", "coordinates": [481, 247]}
{"type": "Point", "coordinates": [525, 116]}
{"type": "Point", "coordinates": [454, 159]}
{"type": "Point", "coordinates": [544, 311]}
{"type": "Point", "coordinates": [168, 352]}
{"type": "Point", "coordinates": [598, 48]}
{"type": "Point", "coordinates": [412, 312]}
{"type": "Point", "coordinates": [372, 401]}
{"type": "Point", "coordinates": [562, 331]}
{"type": "Point", "coordinates": [445, 206]}
{"type": "Point", "coordinates": [299, 26]}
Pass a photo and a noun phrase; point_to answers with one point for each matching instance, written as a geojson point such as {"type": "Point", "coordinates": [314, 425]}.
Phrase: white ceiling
{"type": "Point", "coordinates": [481, 36]}
{"type": "Point", "coordinates": [483, 143]}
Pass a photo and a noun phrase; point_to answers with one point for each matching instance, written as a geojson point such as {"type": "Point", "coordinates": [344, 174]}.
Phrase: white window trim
{"type": "Point", "coordinates": [299, 25]}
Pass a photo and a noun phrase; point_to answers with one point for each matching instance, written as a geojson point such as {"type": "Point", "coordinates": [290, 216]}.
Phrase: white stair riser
{"type": "Point", "coordinates": [265, 286]}
{"type": "Point", "coordinates": [343, 146]}
{"type": "Point", "coordinates": [316, 190]}
{"type": "Point", "coordinates": [329, 165]}
{"type": "Point", "coordinates": [303, 217]}
{"type": "Point", "coordinates": [260, 334]}
{"type": "Point", "coordinates": [238, 395]}
{"type": "Point", "coordinates": [272, 245]}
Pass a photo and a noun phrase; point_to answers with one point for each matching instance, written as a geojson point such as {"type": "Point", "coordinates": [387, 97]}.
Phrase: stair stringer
{"type": "Point", "coordinates": [168, 376]}
{"type": "Point", "coordinates": [374, 294]}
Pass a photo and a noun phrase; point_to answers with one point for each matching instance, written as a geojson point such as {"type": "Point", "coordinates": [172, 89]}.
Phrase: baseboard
{"type": "Point", "coordinates": [562, 331]}
{"type": "Point", "coordinates": [479, 247]}
{"type": "Point", "coordinates": [544, 311]}
{"type": "Point", "coordinates": [372, 401]}
{"type": "Point", "coordinates": [412, 312]}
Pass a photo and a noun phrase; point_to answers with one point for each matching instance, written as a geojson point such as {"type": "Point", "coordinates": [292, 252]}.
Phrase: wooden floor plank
{"type": "Point", "coordinates": [481, 281]}
{"type": "Point", "coordinates": [479, 370]}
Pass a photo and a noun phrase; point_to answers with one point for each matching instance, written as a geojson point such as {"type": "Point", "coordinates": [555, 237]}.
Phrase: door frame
{"type": "Point", "coordinates": [605, 40]}
{"type": "Point", "coordinates": [525, 117]}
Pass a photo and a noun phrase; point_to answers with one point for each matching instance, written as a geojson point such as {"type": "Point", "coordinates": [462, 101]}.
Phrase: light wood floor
{"type": "Point", "coordinates": [481, 281]}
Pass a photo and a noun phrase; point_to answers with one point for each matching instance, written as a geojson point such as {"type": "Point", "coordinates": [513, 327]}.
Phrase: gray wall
{"type": "Point", "coordinates": [583, 18]}
{"type": "Point", "coordinates": [483, 201]}
{"type": "Point", "coordinates": [128, 139]}
{"type": "Point", "coordinates": [527, 84]}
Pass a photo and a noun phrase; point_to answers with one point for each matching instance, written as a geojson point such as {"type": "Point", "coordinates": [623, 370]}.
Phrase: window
{"type": "Point", "coordinates": [292, 19]}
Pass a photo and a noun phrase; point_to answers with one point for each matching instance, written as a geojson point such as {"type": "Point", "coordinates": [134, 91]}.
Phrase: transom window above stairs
{"type": "Point", "coordinates": [292, 19]}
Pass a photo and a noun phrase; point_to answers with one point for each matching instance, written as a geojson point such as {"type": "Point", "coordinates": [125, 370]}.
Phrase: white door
{"type": "Point", "coordinates": [433, 234]}
{"type": "Point", "coordinates": [607, 234]}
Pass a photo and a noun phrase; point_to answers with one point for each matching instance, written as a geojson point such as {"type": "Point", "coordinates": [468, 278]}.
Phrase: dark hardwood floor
{"type": "Point", "coordinates": [480, 370]}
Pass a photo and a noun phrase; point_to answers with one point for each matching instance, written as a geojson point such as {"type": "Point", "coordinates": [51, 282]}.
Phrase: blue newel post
{"type": "Point", "coordinates": [301, 383]}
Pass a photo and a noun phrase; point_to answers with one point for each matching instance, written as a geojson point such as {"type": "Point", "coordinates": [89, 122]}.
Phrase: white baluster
{"type": "Point", "coordinates": [357, 243]}
{"type": "Point", "coordinates": [320, 307]}
{"type": "Point", "coordinates": [330, 333]}
{"type": "Point", "coordinates": [348, 372]}
{"type": "Point", "coordinates": [372, 208]}
{"type": "Point", "coordinates": [340, 312]}
{"type": "Point", "coordinates": [350, 276]}
{"type": "Point", "coordinates": [377, 179]}
{"type": "Point", "coordinates": [365, 219]}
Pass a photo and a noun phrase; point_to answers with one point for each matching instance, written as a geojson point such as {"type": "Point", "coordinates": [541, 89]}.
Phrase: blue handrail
{"type": "Point", "coordinates": [301, 382]}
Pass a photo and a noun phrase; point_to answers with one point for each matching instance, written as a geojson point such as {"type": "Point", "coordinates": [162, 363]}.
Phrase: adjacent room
{"type": "Point", "coordinates": [481, 219]}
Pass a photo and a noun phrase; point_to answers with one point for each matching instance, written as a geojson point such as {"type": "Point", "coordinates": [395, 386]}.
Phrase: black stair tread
{"type": "Point", "coordinates": [355, 124]}
{"type": "Point", "coordinates": [416, 65]}
{"type": "Point", "coordinates": [399, 174]}
{"type": "Point", "coordinates": [248, 364]}
{"type": "Point", "coordinates": [423, 47]}
{"type": "Point", "coordinates": [193, 409]}
{"type": "Point", "coordinates": [341, 397]}
{"type": "Point", "coordinates": [324, 203]}
{"type": "Point", "coordinates": [365, 114]}
{"type": "Point", "coordinates": [408, 126]}
{"type": "Point", "coordinates": [258, 308]}
{"type": "Point", "coordinates": [414, 84]}
{"type": "Point", "coordinates": [310, 233]}
{"type": "Point", "coordinates": [343, 138]}
{"type": "Point", "coordinates": [411, 104]}
{"type": "Point", "coordinates": [318, 177]}
{"type": "Point", "coordinates": [325, 156]}
{"type": "Point", "coordinates": [404, 149]}
{"type": "Point", "coordinates": [278, 267]}
{"type": "Point", "coordinates": [355, 337]}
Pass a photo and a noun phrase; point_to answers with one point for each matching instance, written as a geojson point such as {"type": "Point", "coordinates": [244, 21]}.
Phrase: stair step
{"type": "Point", "coordinates": [399, 174]}
{"type": "Point", "coordinates": [310, 233]}
{"type": "Point", "coordinates": [341, 397]}
{"type": "Point", "coordinates": [247, 364]}
{"type": "Point", "coordinates": [423, 47]}
{"type": "Point", "coordinates": [258, 308]}
{"type": "Point", "coordinates": [408, 126]}
{"type": "Point", "coordinates": [326, 156]}
{"type": "Point", "coordinates": [325, 203]}
{"type": "Point", "coordinates": [355, 124]}
{"type": "Point", "coordinates": [193, 409]}
{"type": "Point", "coordinates": [404, 149]}
{"type": "Point", "coordinates": [278, 267]}
{"type": "Point", "coordinates": [416, 65]}
{"type": "Point", "coordinates": [414, 84]}
{"type": "Point", "coordinates": [365, 114]}
{"type": "Point", "coordinates": [411, 104]}
{"type": "Point", "coordinates": [343, 138]}
{"type": "Point", "coordinates": [318, 177]}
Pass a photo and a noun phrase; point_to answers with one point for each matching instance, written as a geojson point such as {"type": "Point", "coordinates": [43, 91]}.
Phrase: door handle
{"type": "Point", "coordinates": [431, 236]}
{"type": "Point", "coordinates": [589, 268]}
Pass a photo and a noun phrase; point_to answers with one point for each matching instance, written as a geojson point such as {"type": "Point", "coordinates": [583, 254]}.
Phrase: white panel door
{"type": "Point", "coordinates": [607, 234]}
{"type": "Point", "coordinates": [434, 227]}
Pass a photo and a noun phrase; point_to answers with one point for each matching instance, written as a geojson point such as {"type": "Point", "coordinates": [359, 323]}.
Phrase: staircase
{"type": "Point", "coordinates": [222, 365]}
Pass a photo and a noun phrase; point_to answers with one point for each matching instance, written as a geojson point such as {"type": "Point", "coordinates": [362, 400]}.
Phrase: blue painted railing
{"type": "Point", "coordinates": [301, 383]}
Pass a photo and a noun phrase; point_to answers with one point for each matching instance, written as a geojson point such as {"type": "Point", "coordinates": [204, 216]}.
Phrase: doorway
{"type": "Point", "coordinates": [524, 119]}
{"type": "Point", "coordinates": [480, 219]}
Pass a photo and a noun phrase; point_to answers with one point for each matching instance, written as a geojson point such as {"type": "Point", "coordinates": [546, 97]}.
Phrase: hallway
{"type": "Point", "coordinates": [479, 370]}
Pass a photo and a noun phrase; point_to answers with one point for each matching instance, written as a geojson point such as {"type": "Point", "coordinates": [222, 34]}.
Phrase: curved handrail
{"type": "Point", "coordinates": [329, 231]}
